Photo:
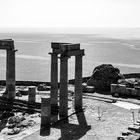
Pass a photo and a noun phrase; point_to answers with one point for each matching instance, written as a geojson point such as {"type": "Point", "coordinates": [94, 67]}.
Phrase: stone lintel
{"type": "Point", "coordinates": [69, 47]}
{"type": "Point", "coordinates": [7, 44]}
{"type": "Point", "coordinates": [70, 53]}
{"type": "Point", "coordinates": [75, 52]}
{"type": "Point", "coordinates": [64, 47]}
{"type": "Point", "coordinates": [56, 45]}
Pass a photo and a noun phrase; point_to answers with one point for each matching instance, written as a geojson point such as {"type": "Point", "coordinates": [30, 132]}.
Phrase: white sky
{"type": "Point", "coordinates": [69, 13]}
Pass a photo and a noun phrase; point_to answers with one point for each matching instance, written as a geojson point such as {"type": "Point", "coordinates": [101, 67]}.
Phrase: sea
{"type": "Point", "coordinates": [119, 47]}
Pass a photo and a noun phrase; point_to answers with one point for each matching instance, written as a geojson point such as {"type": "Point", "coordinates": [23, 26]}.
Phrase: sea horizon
{"type": "Point", "coordinates": [119, 48]}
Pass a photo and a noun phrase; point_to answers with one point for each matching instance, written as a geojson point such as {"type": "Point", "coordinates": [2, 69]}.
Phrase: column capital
{"type": "Point", "coordinates": [80, 55]}
{"type": "Point", "coordinates": [12, 50]}
{"type": "Point", "coordinates": [62, 57]}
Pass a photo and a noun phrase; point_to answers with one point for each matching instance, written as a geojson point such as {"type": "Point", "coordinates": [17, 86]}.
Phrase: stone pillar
{"type": "Point", "coordinates": [31, 93]}
{"type": "Point", "coordinates": [54, 79]}
{"type": "Point", "coordinates": [45, 113]}
{"type": "Point", "coordinates": [63, 106]}
{"type": "Point", "coordinates": [10, 74]}
{"type": "Point", "coordinates": [138, 90]}
{"type": "Point", "coordinates": [78, 82]}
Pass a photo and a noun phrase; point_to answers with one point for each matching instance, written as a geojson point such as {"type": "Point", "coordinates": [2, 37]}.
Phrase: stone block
{"type": "Point", "coordinates": [118, 88]}
{"type": "Point", "coordinates": [89, 89]}
{"type": "Point", "coordinates": [65, 46]}
{"type": "Point", "coordinates": [131, 91]}
{"type": "Point", "coordinates": [137, 90]}
{"type": "Point", "coordinates": [135, 128]}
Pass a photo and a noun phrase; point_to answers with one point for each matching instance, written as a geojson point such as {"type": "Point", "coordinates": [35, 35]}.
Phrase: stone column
{"type": "Point", "coordinates": [32, 94]}
{"type": "Point", "coordinates": [78, 82]}
{"type": "Point", "coordinates": [54, 79]}
{"type": "Point", "coordinates": [63, 106]}
{"type": "Point", "coordinates": [10, 74]}
{"type": "Point", "coordinates": [45, 113]}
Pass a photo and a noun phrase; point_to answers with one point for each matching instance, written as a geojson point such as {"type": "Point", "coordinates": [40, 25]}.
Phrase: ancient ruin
{"type": "Point", "coordinates": [64, 51]}
{"type": "Point", "coordinates": [8, 45]}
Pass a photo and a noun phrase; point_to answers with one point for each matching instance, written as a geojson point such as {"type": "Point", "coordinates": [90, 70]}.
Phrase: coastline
{"type": "Point", "coordinates": [71, 81]}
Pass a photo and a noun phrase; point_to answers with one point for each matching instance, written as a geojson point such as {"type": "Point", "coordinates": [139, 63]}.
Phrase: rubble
{"type": "Point", "coordinates": [43, 87]}
{"type": "Point", "coordinates": [18, 122]}
{"type": "Point", "coordinates": [22, 90]}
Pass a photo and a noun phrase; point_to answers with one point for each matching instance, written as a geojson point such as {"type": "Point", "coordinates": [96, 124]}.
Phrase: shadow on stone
{"type": "Point", "coordinates": [45, 131]}
{"type": "Point", "coordinates": [74, 131]}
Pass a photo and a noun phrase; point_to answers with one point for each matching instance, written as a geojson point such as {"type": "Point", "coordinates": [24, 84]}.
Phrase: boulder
{"type": "Point", "coordinates": [103, 76]}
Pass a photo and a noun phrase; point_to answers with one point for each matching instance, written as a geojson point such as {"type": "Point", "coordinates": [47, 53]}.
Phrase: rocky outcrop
{"type": "Point", "coordinates": [103, 76]}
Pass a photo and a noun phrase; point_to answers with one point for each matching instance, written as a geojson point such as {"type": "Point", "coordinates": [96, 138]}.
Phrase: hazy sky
{"type": "Point", "coordinates": [69, 13]}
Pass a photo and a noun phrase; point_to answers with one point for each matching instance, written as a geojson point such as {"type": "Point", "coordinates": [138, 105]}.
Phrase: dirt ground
{"type": "Point", "coordinates": [84, 125]}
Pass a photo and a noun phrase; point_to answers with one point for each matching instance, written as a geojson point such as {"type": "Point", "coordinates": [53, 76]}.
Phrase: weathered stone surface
{"type": "Point", "coordinates": [137, 90]}
{"type": "Point", "coordinates": [43, 87]}
{"type": "Point", "coordinates": [118, 88]}
{"type": "Point", "coordinates": [19, 122]}
{"type": "Point", "coordinates": [131, 91]}
{"type": "Point", "coordinates": [22, 90]}
{"type": "Point", "coordinates": [134, 128]}
{"type": "Point", "coordinates": [14, 120]}
{"type": "Point", "coordinates": [116, 94]}
{"type": "Point", "coordinates": [25, 123]}
{"type": "Point", "coordinates": [88, 89]}
{"type": "Point", "coordinates": [104, 75]}
{"type": "Point", "coordinates": [10, 131]}
{"type": "Point", "coordinates": [130, 82]}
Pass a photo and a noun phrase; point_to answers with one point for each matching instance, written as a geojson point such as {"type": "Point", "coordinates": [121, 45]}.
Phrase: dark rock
{"type": "Point", "coordinates": [26, 123]}
{"type": "Point", "coordinates": [103, 76]}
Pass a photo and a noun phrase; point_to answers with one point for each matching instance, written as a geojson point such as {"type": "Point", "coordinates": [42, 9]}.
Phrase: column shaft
{"type": "Point", "coordinates": [45, 112]}
{"type": "Point", "coordinates": [10, 74]}
{"type": "Point", "coordinates": [63, 110]}
{"type": "Point", "coordinates": [54, 80]}
{"type": "Point", "coordinates": [78, 82]}
{"type": "Point", "coordinates": [32, 94]}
